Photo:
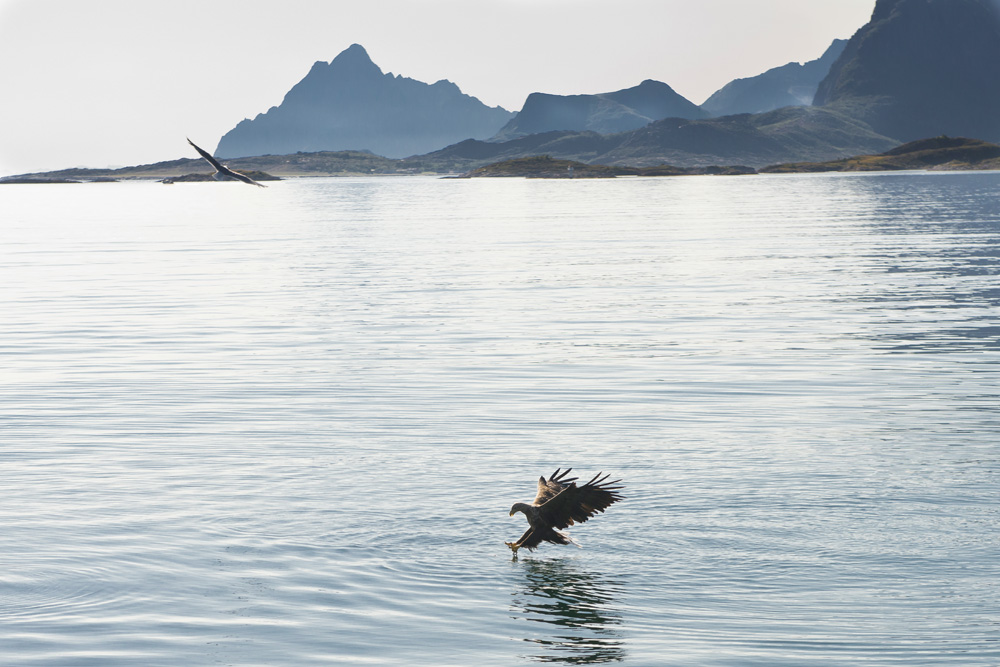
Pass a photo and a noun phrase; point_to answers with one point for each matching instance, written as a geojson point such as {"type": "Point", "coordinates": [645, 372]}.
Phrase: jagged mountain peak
{"type": "Point", "coordinates": [350, 104]}
{"type": "Point", "coordinates": [354, 52]}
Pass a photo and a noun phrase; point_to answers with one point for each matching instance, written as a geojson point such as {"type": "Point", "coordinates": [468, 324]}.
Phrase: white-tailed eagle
{"type": "Point", "coordinates": [559, 504]}
{"type": "Point", "coordinates": [223, 172]}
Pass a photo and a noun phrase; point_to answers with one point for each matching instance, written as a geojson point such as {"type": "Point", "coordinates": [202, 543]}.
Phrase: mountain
{"type": "Point", "coordinates": [793, 84]}
{"type": "Point", "coordinates": [750, 139]}
{"type": "Point", "coordinates": [791, 134]}
{"type": "Point", "coordinates": [606, 113]}
{"type": "Point", "coordinates": [922, 68]}
{"type": "Point", "coordinates": [349, 104]}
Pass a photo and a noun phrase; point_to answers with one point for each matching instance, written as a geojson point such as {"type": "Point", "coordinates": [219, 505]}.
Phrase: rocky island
{"type": "Point", "coordinates": [255, 174]}
{"type": "Point", "coordinates": [545, 166]}
{"type": "Point", "coordinates": [938, 154]}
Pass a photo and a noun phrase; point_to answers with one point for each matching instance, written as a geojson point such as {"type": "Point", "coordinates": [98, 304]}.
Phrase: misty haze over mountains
{"type": "Point", "coordinates": [790, 85]}
{"type": "Point", "coordinates": [919, 68]}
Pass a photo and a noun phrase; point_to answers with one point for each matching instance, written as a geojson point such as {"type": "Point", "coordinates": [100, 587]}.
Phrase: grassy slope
{"type": "Point", "coordinates": [938, 153]}
{"type": "Point", "coordinates": [544, 166]}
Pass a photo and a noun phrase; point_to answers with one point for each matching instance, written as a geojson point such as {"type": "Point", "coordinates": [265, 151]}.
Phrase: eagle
{"type": "Point", "coordinates": [559, 504]}
{"type": "Point", "coordinates": [222, 172]}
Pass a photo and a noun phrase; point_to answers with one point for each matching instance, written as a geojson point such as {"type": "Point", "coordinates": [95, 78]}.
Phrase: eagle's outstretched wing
{"type": "Point", "coordinates": [208, 156]}
{"type": "Point", "coordinates": [243, 177]}
{"type": "Point", "coordinates": [223, 169]}
{"type": "Point", "coordinates": [548, 489]}
{"type": "Point", "coordinates": [576, 504]}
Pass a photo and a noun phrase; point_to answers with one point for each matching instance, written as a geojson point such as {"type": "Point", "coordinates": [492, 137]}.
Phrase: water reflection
{"type": "Point", "coordinates": [581, 608]}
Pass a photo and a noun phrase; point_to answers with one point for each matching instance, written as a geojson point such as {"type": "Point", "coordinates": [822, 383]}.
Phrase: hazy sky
{"type": "Point", "coordinates": [121, 82]}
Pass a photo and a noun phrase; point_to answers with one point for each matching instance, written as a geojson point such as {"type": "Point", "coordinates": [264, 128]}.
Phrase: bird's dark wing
{"type": "Point", "coordinates": [208, 156]}
{"type": "Point", "coordinates": [549, 488]}
{"type": "Point", "coordinates": [223, 169]}
{"type": "Point", "coordinates": [576, 504]}
{"type": "Point", "coordinates": [243, 177]}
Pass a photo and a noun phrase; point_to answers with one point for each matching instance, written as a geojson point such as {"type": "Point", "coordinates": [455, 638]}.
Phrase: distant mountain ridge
{"type": "Point", "coordinates": [922, 68]}
{"type": "Point", "coordinates": [918, 68]}
{"type": "Point", "coordinates": [793, 84]}
{"type": "Point", "coordinates": [809, 133]}
{"type": "Point", "coordinates": [349, 104]}
{"type": "Point", "coordinates": [604, 113]}
{"type": "Point", "coordinates": [937, 153]}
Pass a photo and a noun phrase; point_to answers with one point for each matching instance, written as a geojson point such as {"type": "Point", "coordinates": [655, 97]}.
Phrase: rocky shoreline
{"type": "Point", "coordinates": [934, 154]}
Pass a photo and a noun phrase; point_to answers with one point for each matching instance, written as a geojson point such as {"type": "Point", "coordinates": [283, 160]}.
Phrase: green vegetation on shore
{"type": "Point", "coordinates": [544, 166]}
{"type": "Point", "coordinates": [937, 154]}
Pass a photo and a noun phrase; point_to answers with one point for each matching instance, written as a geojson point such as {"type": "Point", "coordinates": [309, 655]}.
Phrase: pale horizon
{"type": "Point", "coordinates": [117, 83]}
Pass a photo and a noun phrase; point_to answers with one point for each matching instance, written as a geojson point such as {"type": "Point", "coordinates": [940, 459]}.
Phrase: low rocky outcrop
{"type": "Point", "coordinates": [936, 154]}
{"type": "Point", "coordinates": [545, 166]}
{"type": "Point", "coordinates": [35, 180]}
{"type": "Point", "coordinates": [206, 177]}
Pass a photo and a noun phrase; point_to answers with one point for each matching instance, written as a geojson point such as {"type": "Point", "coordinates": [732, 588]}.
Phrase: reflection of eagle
{"type": "Point", "coordinates": [223, 172]}
{"type": "Point", "coordinates": [559, 504]}
{"type": "Point", "coordinates": [575, 615]}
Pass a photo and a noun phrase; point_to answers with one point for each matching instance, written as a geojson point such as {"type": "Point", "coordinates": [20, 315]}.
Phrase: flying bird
{"type": "Point", "coordinates": [223, 172]}
{"type": "Point", "coordinates": [559, 504]}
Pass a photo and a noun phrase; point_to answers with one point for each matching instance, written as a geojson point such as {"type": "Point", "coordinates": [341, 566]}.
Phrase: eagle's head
{"type": "Point", "coordinates": [518, 507]}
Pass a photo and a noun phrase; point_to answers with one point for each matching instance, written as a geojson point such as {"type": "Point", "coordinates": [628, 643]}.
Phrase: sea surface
{"type": "Point", "coordinates": [285, 427]}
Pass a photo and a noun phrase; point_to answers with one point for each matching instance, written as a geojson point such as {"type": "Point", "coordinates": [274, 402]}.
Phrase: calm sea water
{"type": "Point", "coordinates": [285, 426]}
